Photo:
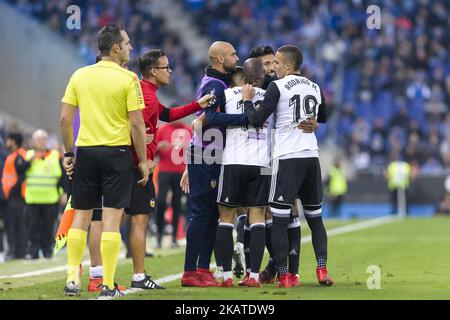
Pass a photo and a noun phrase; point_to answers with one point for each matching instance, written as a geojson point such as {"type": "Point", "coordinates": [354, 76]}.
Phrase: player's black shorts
{"type": "Point", "coordinates": [102, 171]}
{"type": "Point", "coordinates": [142, 198]}
{"type": "Point", "coordinates": [297, 177]}
{"type": "Point", "coordinates": [243, 186]}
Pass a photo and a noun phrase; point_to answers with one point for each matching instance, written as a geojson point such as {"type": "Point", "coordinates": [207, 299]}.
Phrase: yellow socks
{"type": "Point", "coordinates": [76, 243]}
{"type": "Point", "coordinates": [109, 248]}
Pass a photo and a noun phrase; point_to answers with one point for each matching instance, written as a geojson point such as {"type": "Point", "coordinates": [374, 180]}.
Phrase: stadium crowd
{"type": "Point", "coordinates": [391, 87]}
{"type": "Point", "coordinates": [146, 28]}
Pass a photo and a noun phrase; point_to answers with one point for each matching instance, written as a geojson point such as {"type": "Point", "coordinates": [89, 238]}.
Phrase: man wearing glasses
{"type": "Point", "coordinates": [156, 72]}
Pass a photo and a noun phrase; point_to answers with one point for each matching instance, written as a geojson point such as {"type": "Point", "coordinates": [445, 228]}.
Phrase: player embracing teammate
{"type": "Point", "coordinates": [296, 168]}
{"type": "Point", "coordinates": [296, 104]}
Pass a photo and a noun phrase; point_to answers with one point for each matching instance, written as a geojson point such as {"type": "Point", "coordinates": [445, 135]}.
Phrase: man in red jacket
{"type": "Point", "coordinates": [156, 72]}
{"type": "Point", "coordinates": [172, 139]}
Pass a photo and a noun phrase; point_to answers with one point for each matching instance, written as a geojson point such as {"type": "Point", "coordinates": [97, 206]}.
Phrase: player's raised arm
{"type": "Point", "coordinates": [268, 106]}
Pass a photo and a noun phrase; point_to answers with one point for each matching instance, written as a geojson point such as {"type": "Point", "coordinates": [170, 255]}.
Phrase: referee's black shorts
{"type": "Point", "coordinates": [102, 171]}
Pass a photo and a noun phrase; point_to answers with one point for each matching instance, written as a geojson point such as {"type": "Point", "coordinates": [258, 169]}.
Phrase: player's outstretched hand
{"type": "Point", "coordinates": [206, 100]}
{"type": "Point", "coordinates": [309, 125]}
{"type": "Point", "coordinates": [248, 92]}
{"type": "Point", "coordinates": [184, 182]}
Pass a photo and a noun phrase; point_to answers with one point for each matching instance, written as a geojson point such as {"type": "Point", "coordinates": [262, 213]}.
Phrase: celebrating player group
{"type": "Point", "coordinates": [252, 159]}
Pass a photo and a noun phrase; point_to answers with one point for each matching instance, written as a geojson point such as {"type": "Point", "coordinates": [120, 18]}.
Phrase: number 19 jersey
{"type": "Point", "coordinates": [299, 99]}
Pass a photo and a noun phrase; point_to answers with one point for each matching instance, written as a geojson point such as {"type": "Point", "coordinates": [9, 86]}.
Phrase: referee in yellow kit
{"type": "Point", "coordinates": [110, 101]}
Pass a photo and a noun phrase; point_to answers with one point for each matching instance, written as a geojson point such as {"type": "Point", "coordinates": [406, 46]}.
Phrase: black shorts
{"type": "Point", "coordinates": [102, 171]}
{"type": "Point", "coordinates": [142, 198]}
{"type": "Point", "coordinates": [243, 186]}
{"type": "Point", "coordinates": [297, 177]}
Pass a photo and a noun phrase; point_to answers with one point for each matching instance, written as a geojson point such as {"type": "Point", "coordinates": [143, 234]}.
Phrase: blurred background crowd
{"type": "Point", "coordinates": [388, 89]}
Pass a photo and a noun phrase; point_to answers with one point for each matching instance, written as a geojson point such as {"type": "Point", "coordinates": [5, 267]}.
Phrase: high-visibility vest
{"type": "Point", "coordinates": [338, 183]}
{"type": "Point", "coordinates": [398, 175]}
{"type": "Point", "coordinates": [9, 175]}
{"type": "Point", "coordinates": [42, 178]}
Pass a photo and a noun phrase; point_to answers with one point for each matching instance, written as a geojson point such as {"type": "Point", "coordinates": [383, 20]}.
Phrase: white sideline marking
{"type": "Point", "coordinates": [332, 232]}
{"type": "Point", "coordinates": [41, 272]}
{"type": "Point", "coordinates": [356, 226]}
{"type": "Point", "coordinates": [45, 271]}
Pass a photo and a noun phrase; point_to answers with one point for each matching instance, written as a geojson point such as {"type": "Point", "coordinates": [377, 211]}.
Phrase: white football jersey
{"type": "Point", "coordinates": [299, 99]}
{"type": "Point", "coordinates": [245, 145]}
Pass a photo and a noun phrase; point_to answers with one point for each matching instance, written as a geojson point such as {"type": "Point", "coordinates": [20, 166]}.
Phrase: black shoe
{"type": "Point", "coordinates": [149, 255]}
{"type": "Point", "coordinates": [72, 290]}
{"type": "Point", "coordinates": [146, 283]}
{"type": "Point", "coordinates": [109, 294]}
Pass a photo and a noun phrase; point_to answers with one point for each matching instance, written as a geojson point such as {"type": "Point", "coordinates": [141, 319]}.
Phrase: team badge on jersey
{"type": "Point", "coordinates": [213, 183]}
{"type": "Point", "coordinates": [152, 203]}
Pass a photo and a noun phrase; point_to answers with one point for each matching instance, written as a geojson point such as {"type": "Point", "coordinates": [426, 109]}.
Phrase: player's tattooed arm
{"type": "Point", "coordinates": [268, 106]}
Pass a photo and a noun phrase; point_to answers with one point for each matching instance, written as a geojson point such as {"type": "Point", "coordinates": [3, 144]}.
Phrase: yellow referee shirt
{"type": "Point", "coordinates": [105, 93]}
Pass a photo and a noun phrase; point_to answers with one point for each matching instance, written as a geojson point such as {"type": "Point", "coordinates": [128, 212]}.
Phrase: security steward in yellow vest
{"type": "Point", "coordinates": [43, 178]}
{"type": "Point", "coordinates": [337, 188]}
{"type": "Point", "coordinates": [398, 175]}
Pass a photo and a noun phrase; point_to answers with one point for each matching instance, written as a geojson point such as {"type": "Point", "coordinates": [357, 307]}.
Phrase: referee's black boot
{"type": "Point", "coordinates": [106, 293]}
{"type": "Point", "coordinates": [72, 290]}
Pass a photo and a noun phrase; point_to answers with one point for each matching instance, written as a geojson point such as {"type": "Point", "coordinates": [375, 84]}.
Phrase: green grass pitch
{"type": "Point", "coordinates": [412, 254]}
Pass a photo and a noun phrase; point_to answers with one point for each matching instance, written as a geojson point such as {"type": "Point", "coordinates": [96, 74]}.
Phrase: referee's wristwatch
{"type": "Point", "coordinates": [69, 154]}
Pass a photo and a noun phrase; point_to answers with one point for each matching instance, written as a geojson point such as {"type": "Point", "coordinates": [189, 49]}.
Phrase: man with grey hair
{"type": "Point", "coordinates": [43, 178]}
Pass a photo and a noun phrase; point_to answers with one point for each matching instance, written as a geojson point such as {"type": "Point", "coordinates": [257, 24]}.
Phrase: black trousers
{"type": "Point", "coordinates": [41, 220]}
{"type": "Point", "coordinates": [336, 204]}
{"type": "Point", "coordinates": [3, 207]}
{"type": "Point", "coordinates": [15, 226]}
{"type": "Point", "coordinates": [394, 201]}
{"type": "Point", "coordinates": [168, 181]}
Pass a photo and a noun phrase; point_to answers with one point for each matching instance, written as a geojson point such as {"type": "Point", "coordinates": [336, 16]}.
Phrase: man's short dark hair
{"type": "Point", "coordinates": [108, 36]}
{"type": "Point", "coordinates": [149, 59]}
{"type": "Point", "coordinates": [16, 137]}
{"type": "Point", "coordinates": [293, 54]}
{"type": "Point", "coordinates": [98, 57]}
{"type": "Point", "coordinates": [237, 73]}
{"type": "Point", "coordinates": [261, 51]}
